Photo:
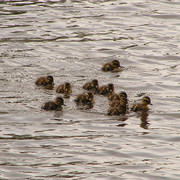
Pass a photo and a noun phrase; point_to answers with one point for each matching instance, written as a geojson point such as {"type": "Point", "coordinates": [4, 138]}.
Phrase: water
{"type": "Point", "coordinates": [71, 40]}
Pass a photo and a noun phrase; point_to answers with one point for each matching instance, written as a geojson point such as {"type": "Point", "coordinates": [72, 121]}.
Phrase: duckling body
{"type": "Point", "coordinates": [121, 102]}
{"type": "Point", "coordinates": [65, 88]}
{"type": "Point", "coordinates": [92, 86]}
{"type": "Point", "coordinates": [53, 105]}
{"type": "Point", "coordinates": [143, 106]}
{"type": "Point", "coordinates": [111, 66]}
{"type": "Point", "coordinates": [47, 82]}
{"type": "Point", "coordinates": [113, 97]}
{"type": "Point", "coordinates": [118, 104]}
{"type": "Point", "coordinates": [85, 99]}
{"type": "Point", "coordinates": [116, 111]}
{"type": "Point", "coordinates": [106, 90]}
{"type": "Point", "coordinates": [118, 99]}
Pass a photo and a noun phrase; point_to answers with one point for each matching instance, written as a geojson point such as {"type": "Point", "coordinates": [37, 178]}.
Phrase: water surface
{"type": "Point", "coordinates": [71, 40]}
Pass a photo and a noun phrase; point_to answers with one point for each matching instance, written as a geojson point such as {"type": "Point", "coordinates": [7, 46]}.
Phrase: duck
{"type": "Point", "coordinates": [54, 105]}
{"type": "Point", "coordinates": [65, 88]}
{"type": "Point", "coordinates": [85, 99]}
{"type": "Point", "coordinates": [122, 102]}
{"type": "Point", "coordinates": [143, 106]}
{"type": "Point", "coordinates": [111, 66]}
{"type": "Point", "coordinates": [116, 111]}
{"type": "Point", "coordinates": [106, 90]}
{"type": "Point", "coordinates": [92, 86]}
{"type": "Point", "coordinates": [115, 96]}
{"type": "Point", "coordinates": [47, 82]}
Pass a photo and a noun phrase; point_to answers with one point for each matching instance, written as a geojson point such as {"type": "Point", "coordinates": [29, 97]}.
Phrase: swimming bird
{"type": "Point", "coordinates": [106, 90]}
{"type": "Point", "coordinates": [47, 82]}
{"type": "Point", "coordinates": [116, 111]}
{"type": "Point", "coordinates": [115, 96]}
{"type": "Point", "coordinates": [143, 106]}
{"type": "Point", "coordinates": [65, 88]}
{"type": "Point", "coordinates": [54, 105]}
{"type": "Point", "coordinates": [111, 66]}
{"type": "Point", "coordinates": [85, 99]}
{"type": "Point", "coordinates": [120, 102]}
{"type": "Point", "coordinates": [92, 86]}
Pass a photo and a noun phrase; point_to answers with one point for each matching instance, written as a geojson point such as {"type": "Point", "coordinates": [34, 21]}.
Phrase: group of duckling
{"type": "Point", "coordinates": [118, 102]}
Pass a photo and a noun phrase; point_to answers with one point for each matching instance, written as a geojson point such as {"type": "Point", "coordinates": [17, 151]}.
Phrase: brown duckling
{"type": "Point", "coordinates": [111, 66]}
{"type": "Point", "coordinates": [116, 111]}
{"type": "Point", "coordinates": [92, 86]}
{"type": "Point", "coordinates": [47, 82]}
{"type": "Point", "coordinates": [143, 106]}
{"type": "Point", "coordinates": [106, 90]}
{"type": "Point", "coordinates": [113, 97]}
{"type": "Point", "coordinates": [65, 88]}
{"type": "Point", "coordinates": [54, 105]}
{"type": "Point", "coordinates": [121, 102]}
{"type": "Point", "coordinates": [85, 99]}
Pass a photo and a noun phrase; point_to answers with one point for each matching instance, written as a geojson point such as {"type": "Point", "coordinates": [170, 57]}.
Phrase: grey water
{"type": "Point", "coordinates": [71, 40]}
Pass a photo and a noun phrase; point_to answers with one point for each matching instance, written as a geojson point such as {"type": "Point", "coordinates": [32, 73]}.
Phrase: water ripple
{"type": "Point", "coordinates": [71, 39]}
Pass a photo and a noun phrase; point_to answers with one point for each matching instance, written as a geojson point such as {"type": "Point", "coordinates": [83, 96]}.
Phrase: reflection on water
{"type": "Point", "coordinates": [144, 120]}
{"type": "Point", "coordinates": [71, 40]}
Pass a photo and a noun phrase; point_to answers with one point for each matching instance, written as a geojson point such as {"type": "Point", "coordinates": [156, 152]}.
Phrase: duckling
{"type": "Point", "coordinates": [47, 82]}
{"type": "Point", "coordinates": [123, 94]}
{"type": "Point", "coordinates": [65, 88]}
{"type": "Point", "coordinates": [54, 105]}
{"type": "Point", "coordinates": [143, 106]}
{"type": "Point", "coordinates": [85, 99]}
{"type": "Point", "coordinates": [113, 97]}
{"type": "Point", "coordinates": [92, 86]}
{"type": "Point", "coordinates": [111, 66]}
{"type": "Point", "coordinates": [121, 102]}
{"type": "Point", "coordinates": [116, 111]}
{"type": "Point", "coordinates": [106, 90]}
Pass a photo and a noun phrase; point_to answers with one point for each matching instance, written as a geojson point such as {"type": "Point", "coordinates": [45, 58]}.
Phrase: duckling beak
{"type": "Point", "coordinates": [64, 105]}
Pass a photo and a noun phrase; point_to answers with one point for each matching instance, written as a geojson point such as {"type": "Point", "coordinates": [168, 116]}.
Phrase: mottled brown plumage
{"type": "Point", "coordinates": [85, 99]}
{"type": "Point", "coordinates": [111, 66]}
{"type": "Point", "coordinates": [122, 102]}
{"type": "Point", "coordinates": [106, 90]}
{"type": "Point", "coordinates": [54, 105]}
{"type": "Point", "coordinates": [143, 106]}
{"type": "Point", "coordinates": [47, 82]}
{"type": "Point", "coordinates": [116, 111]}
{"type": "Point", "coordinates": [65, 88]}
{"type": "Point", "coordinates": [92, 86]}
{"type": "Point", "coordinates": [115, 96]}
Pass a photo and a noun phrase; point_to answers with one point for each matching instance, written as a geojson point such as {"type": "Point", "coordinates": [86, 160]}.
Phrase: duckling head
{"type": "Point", "coordinates": [146, 100]}
{"type": "Point", "coordinates": [111, 87]}
{"type": "Point", "coordinates": [49, 79]}
{"type": "Point", "coordinates": [67, 84]}
{"type": "Point", "coordinates": [116, 63]}
{"type": "Point", "coordinates": [95, 82]}
{"type": "Point", "coordinates": [90, 95]}
{"type": "Point", "coordinates": [122, 94]}
{"type": "Point", "coordinates": [59, 101]}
